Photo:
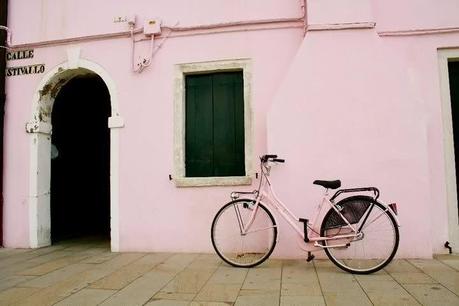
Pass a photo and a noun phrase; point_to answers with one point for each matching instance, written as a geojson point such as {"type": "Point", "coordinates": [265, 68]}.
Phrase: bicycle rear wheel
{"type": "Point", "coordinates": [238, 249]}
{"type": "Point", "coordinates": [378, 242]}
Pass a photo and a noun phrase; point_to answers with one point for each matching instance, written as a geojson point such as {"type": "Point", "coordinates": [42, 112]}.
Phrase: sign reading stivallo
{"type": "Point", "coordinates": [22, 70]}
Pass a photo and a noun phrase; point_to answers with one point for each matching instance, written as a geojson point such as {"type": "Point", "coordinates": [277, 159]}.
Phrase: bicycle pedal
{"type": "Point", "coordinates": [310, 257]}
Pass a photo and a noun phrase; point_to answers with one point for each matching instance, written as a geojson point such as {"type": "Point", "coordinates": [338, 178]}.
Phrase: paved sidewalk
{"type": "Point", "coordinates": [87, 273]}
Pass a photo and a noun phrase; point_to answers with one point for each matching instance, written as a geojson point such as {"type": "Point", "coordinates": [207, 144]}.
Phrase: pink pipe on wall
{"type": "Point", "coordinates": [131, 32]}
{"type": "Point", "coordinates": [419, 31]}
{"type": "Point", "coordinates": [173, 28]}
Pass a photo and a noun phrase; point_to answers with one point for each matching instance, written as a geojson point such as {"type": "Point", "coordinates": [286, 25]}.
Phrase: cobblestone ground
{"type": "Point", "coordinates": [87, 273]}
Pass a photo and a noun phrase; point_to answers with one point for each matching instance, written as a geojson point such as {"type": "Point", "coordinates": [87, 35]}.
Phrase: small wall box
{"type": "Point", "coordinates": [152, 27]}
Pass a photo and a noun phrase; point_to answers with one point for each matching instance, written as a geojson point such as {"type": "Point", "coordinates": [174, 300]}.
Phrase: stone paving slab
{"type": "Point", "coordinates": [122, 277]}
{"type": "Point", "coordinates": [450, 260]}
{"type": "Point", "coordinates": [440, 272]}
{"type": "Point", "coordinates": [302, 301]}
{"type": "Point", "coordinates": [223, 286]}
{"type": "Point", "coordinates": [87, 297]}
{"type": "Point", "coordinates": [338, 287]}
{"type": "Point", "coordinates": [87, 273]}
{"type": "Point", "coordinates": [74, 283]}
{"type": "Point", "coordinates": [382, 291]}
{"type": "Point", "coordinates": [145, 287]}
{"type": "Point", "coordinates": [13, 280]}
{"type": "Point", "coordinates": [15, 294]}
{"type": "Point", "coordinates": [432, 294]}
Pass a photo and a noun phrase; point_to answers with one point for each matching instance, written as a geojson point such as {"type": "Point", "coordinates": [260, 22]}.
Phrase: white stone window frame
{"type": "Point", "coordinates": [181, 71]}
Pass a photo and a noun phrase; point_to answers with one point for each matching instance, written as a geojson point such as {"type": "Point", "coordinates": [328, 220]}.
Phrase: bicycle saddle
{"type": "Point", "coordinates": [328, 184]}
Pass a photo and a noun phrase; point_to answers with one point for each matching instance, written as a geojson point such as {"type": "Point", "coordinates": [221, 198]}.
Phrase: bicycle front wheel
{"type": "Point", "coordinates": [376, 243]}
{"type": "Point", "coordinates": [241, 249]}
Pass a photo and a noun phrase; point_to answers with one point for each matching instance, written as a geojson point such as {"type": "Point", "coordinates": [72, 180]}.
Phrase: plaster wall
{"type": "Point", "coordinates": [393, 15]}
{"type": "Point", "coordinates": [369, 113]}
{"type": "Point", "coordinates": [49, 19]}
{"type": "Point", "coordinates": [345, 104]}
{"type": "Point", "coordinates": [150, 204]}
{"type": "Point", "coordinates": [343, 11]}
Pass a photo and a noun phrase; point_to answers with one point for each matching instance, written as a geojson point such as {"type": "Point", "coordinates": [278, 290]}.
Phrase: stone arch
{"type": "Point", "coordinates": [39, 128]}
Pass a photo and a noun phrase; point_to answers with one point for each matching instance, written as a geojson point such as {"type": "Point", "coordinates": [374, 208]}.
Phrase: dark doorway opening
{"type": "Point", "coordinates": [80, 165]}
{"type": "Point", "coordinates": [453, 71]}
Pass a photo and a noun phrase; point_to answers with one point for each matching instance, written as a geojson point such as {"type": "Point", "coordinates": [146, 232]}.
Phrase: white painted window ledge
{"type": "Point", "coordinates": [212, 181]}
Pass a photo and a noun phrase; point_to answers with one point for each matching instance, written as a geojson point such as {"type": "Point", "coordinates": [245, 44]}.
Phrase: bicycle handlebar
{"type": "Point", "coordinates": [271, 157]}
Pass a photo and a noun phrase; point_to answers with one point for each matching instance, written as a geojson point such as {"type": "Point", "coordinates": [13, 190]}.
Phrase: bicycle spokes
{"type": "Point", "coordinates": [243, 236]}
{"type": "Point", "coordinates": [372, 248]}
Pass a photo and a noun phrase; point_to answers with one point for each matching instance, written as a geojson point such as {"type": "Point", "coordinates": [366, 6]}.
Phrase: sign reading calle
{"type": "Point", "coordinates": [22, 70]}
{"type": "Point", "coordinates": [20, 54]}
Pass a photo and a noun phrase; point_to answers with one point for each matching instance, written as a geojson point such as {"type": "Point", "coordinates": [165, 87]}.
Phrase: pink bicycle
{"type": "Point", "coordinates": [359, 234]}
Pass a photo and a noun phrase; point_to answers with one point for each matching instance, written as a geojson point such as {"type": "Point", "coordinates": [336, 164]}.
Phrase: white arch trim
{"type": "Point", "coordinates": [39, 128]}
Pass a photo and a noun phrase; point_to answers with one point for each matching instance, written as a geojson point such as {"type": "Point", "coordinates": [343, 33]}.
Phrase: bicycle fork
{"type": "Point", "coordinates": [244, 228]}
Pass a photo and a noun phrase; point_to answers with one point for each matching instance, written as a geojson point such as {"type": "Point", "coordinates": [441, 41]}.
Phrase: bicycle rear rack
{"type": "Point", "coordinates": [362, 189]}
{"type": "Point", "coordinates": [236, 194]}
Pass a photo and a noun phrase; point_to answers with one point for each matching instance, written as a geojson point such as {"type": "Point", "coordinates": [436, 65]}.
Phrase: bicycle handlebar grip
{"type": "Point", "coordinates": [279, 160]}
{"type": "Point", "coordinates": [265, 158]}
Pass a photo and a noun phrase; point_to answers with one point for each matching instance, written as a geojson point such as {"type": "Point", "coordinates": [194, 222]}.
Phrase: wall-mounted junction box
{"type": "Point", "coordinates": [152, 26]}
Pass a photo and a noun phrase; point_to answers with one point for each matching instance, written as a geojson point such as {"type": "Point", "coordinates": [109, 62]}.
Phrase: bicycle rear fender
{"type": "Point", "coordinates": [371, 199]}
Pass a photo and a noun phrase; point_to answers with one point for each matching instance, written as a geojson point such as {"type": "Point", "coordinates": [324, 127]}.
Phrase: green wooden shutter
{"type": "Point", "coordinates": [215, 125]}
{"type": "Point", "coordinates": [228, 98]}
{"type": "Point", "coordinates": [199, 126]}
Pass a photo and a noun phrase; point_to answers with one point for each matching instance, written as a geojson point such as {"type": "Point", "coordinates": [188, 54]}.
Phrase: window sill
{"type": "Point", "coordinates": [212, 181]}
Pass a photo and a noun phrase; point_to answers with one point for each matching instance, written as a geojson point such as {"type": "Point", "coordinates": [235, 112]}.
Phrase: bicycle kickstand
{"type": "Point", "coordinates": [306, 237]}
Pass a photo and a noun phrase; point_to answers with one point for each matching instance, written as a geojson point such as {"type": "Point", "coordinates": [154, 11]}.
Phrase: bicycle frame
{"type": "Point", "coordinates": [266, 191]}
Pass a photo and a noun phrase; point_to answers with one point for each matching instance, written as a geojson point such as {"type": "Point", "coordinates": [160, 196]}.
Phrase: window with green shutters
{"type": "Point", "coordinates": [214, 123]}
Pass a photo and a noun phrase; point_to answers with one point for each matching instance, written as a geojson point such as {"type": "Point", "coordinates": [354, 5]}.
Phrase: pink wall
{"type": "Point", "coordinates": [343, 104]}
{"type": "Point", "coordinates": [352, 117]}
{"type": "Point", "coordinates": [342, 11]}
{"type": "Point", "coordinates": [150, 204]}
{"type": "Point", "coordinates": [415, 14]}
{"type": "Point", "coordinates": [49, 19]}
{"type": "Point", "coordinates": [159, 206]}
{"type": "Point", "coordinates": [367, 109]}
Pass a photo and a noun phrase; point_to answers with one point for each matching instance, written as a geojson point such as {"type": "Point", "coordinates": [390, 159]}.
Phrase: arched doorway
{"type": "Point", "coordinates": [40, 130]}
{"type": "Point", "coordinates": [80, 159]}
